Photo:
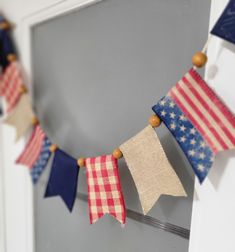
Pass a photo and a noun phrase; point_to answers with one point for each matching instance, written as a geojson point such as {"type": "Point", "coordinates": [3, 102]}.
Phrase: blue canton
{"type": "Point", "coordinates": [42, 161]}
{"type": "Point", "coordinates": [191, 142]}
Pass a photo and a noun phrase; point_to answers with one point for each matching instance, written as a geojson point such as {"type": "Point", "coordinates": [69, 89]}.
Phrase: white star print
{"type": "Point", "coordinates": [193, 141]}
{"type": "Point", "coordinates": [193, 131]}
{"type": "Point", "coordinates": [182, 128]}
{"type": "Point", "coordinates": [202, 144]}
{"type": "Point", "coordinates": [163, 113]}
{"type": "Point", "coordinates": [212, 159]}
{"type": "Point", "coordinates": [202, 155]}
{"type": "Point", "coordinates": [183, 139]}
{"type": "Point", "coordinates": [162, 102]}
{"type": "Point", "coordinates": [172, 115]}
{"type": "Point", "coordinates": [172, 104]}
{"type": "Point", "coordinates": [201, 167]}
{"type": "Point", "coordinates": [173, 126]}
{"type": "Point", "coordinates": [182, 118]}
{"type": "Point", "coordinates": [191, 153]}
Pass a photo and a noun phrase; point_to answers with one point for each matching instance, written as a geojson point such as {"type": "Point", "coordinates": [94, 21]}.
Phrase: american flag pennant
{"type": "Point", "coordinates": [63, 178]}
{"type": "Point", "coordinates": [42, 161]}
{"type": "Point", "coordinates": [150, 169]}
{"type": "Point", "coordinates": [11, 82]}
{"type": "Point", "coordinates": [224, 27]}
{"type": "Point", "coordinates": [21, 117]}
{"type": "Point", "coordinates": [104, 188]}
{"type": "Point", "coordinates": [200, 122]}
{"type": "Point", "coordinates": [32, 150]}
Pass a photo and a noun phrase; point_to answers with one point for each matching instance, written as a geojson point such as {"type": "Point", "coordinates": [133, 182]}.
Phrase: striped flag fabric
{"type": "Point", "coordinates": [33, 148]}
{"type": "Point", "coordinates": [11, 82]}
{"type": "Point", "coordinates": [104, 188]}
{"type": "Point", "coordinates": [42, 161]}
{"type": "Point", "coordinates": [224, 27]}
{"type": "Point", "coordinates": [199, 120]}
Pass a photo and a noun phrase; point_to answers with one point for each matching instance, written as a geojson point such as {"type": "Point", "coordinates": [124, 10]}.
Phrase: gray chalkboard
{"type": "Point", "coordinates": [97, 72]}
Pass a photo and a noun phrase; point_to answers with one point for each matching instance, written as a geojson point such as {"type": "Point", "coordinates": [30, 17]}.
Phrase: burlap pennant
{"type": "Point", "coordinates": [151, 171]}
{"type": "Point", "coordinates": [21, 116]}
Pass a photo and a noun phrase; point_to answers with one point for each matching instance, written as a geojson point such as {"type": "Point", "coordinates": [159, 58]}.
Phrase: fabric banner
{"type": "Point", "coordinates": [224, 27]}
{"type": "Point", "coordinates": [104, 188]}
{"type": "Point", "coordinates": [63, 178]}
{"type": "Point", "coordinates": [11, 82]}
{"type": "Point", "coordinates": [21, 116]}
{"type": "Point", "coordinates": [200, 122]}
{"type": "Point", "coordinates": [6, 47]}
{"type": "Point", "coordinates": [151, 171]}
{"type": "Point", "coordinates": [33, 148]}
{"type": "Point", "coordinates": [42, 160]}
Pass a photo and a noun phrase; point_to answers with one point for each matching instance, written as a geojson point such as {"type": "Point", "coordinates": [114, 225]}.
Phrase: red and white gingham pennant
{"type": "Point", "coordinates": [104, 188]}
{"type": "Point", "coordinates": [33, 148]}
{"type": "Point", "coordinates": [10, 83]}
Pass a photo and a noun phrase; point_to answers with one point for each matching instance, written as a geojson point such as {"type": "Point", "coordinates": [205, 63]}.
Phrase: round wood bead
{"type": "Point", "coordinates": [5, 25]}
{"type": "Point", "coordinates": [81, 162]}
{"type": "Point", "coordinates": [11, 57]}
{"type": "Point", "coordinates": [35, 121]}
{"type": "Point", "coordinates": [23, 89]}
{"type": "Point", "coordinates": [199, 59]}
{"type": "Point", "coordinates": [53, 148]}
{"type": "Point", "coordinates": [117, 153]}
{"type": "Point", "coordinates": [154, 121]}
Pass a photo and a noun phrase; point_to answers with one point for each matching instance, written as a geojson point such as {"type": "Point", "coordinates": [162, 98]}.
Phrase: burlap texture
{"type": "Point", "coordinates": [21, 116]}
{"type": "Point", "coordinates": [151, 171]}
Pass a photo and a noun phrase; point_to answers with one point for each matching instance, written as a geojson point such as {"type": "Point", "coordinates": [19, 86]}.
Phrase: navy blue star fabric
{"type": "Point", "coordinates": [42, 161]}
{"type": "Point", "coordinates": [63, 178]}
{"type": "Point", "coordinates": [191, 142]}
{"type": "Point", "coordinates": [225, 26]}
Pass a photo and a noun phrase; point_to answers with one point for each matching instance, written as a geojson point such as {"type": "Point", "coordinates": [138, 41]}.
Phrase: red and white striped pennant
{"type": "Point", "coordinates": [205, 110]}
{"type": "Point", "coordinates": [33, 148]}
{"type": "Point", "coordinates": [10, 83]}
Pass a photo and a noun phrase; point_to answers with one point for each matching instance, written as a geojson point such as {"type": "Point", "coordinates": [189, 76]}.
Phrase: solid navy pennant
{"type": "Point", "coordinates": [63, 178]}
{"type": "Point", "coordinates": [225, 26]}
{"type": "Point", "coordinates": [6, 47]}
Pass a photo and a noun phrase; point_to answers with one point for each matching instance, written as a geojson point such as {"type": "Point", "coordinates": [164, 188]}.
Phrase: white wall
{"type": "Point", "coordinates": [213, 218]}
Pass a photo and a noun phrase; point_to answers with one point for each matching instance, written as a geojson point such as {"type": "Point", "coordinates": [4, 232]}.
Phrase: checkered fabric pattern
{"type": "Point", "coordinates": [33, 148]}
{"type": "Point", "coordinates": [10, 84]}
{"type": "Point", "coordinates": [104, 188]}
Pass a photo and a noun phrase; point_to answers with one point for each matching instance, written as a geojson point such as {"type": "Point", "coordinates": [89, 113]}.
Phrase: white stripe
{"type": "Point", "coordinates": [198, 119]}
{"type": "Point", "coordinates": [205, 114]}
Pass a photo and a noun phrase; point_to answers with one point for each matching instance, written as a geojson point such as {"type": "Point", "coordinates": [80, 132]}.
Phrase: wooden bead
{"type": "Point", "coordinates": [154, 121]}
{"type": "Point", "coordinates": [199, 59]}
{"type": "Point", "coordinates": [81, 162]}
{"type": "Point", "coordinates": [117, 153]}
{"type": "Point", "coordinates": [5, 25]}
{"type": "Point", "coordinates": [23, 89]}
{"type": "Point", "coordinates": [35, 121]}
{"type": "Point", "coordinates": [11, 57]}
{"type": "Point", "coordinates": [53, 148]}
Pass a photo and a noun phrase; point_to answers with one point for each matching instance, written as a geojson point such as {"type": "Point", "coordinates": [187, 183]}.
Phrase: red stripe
{"type": "Point", "coordinates": [218, 103]}
{"type": "Point", "coordinates": [211, 112]}
{"type": "Point", "coordinates": [194, 122]}
{"type": "Point", "coordinates": [202, 117]}
{"type": "Point", "coordinates": [32, 149]}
